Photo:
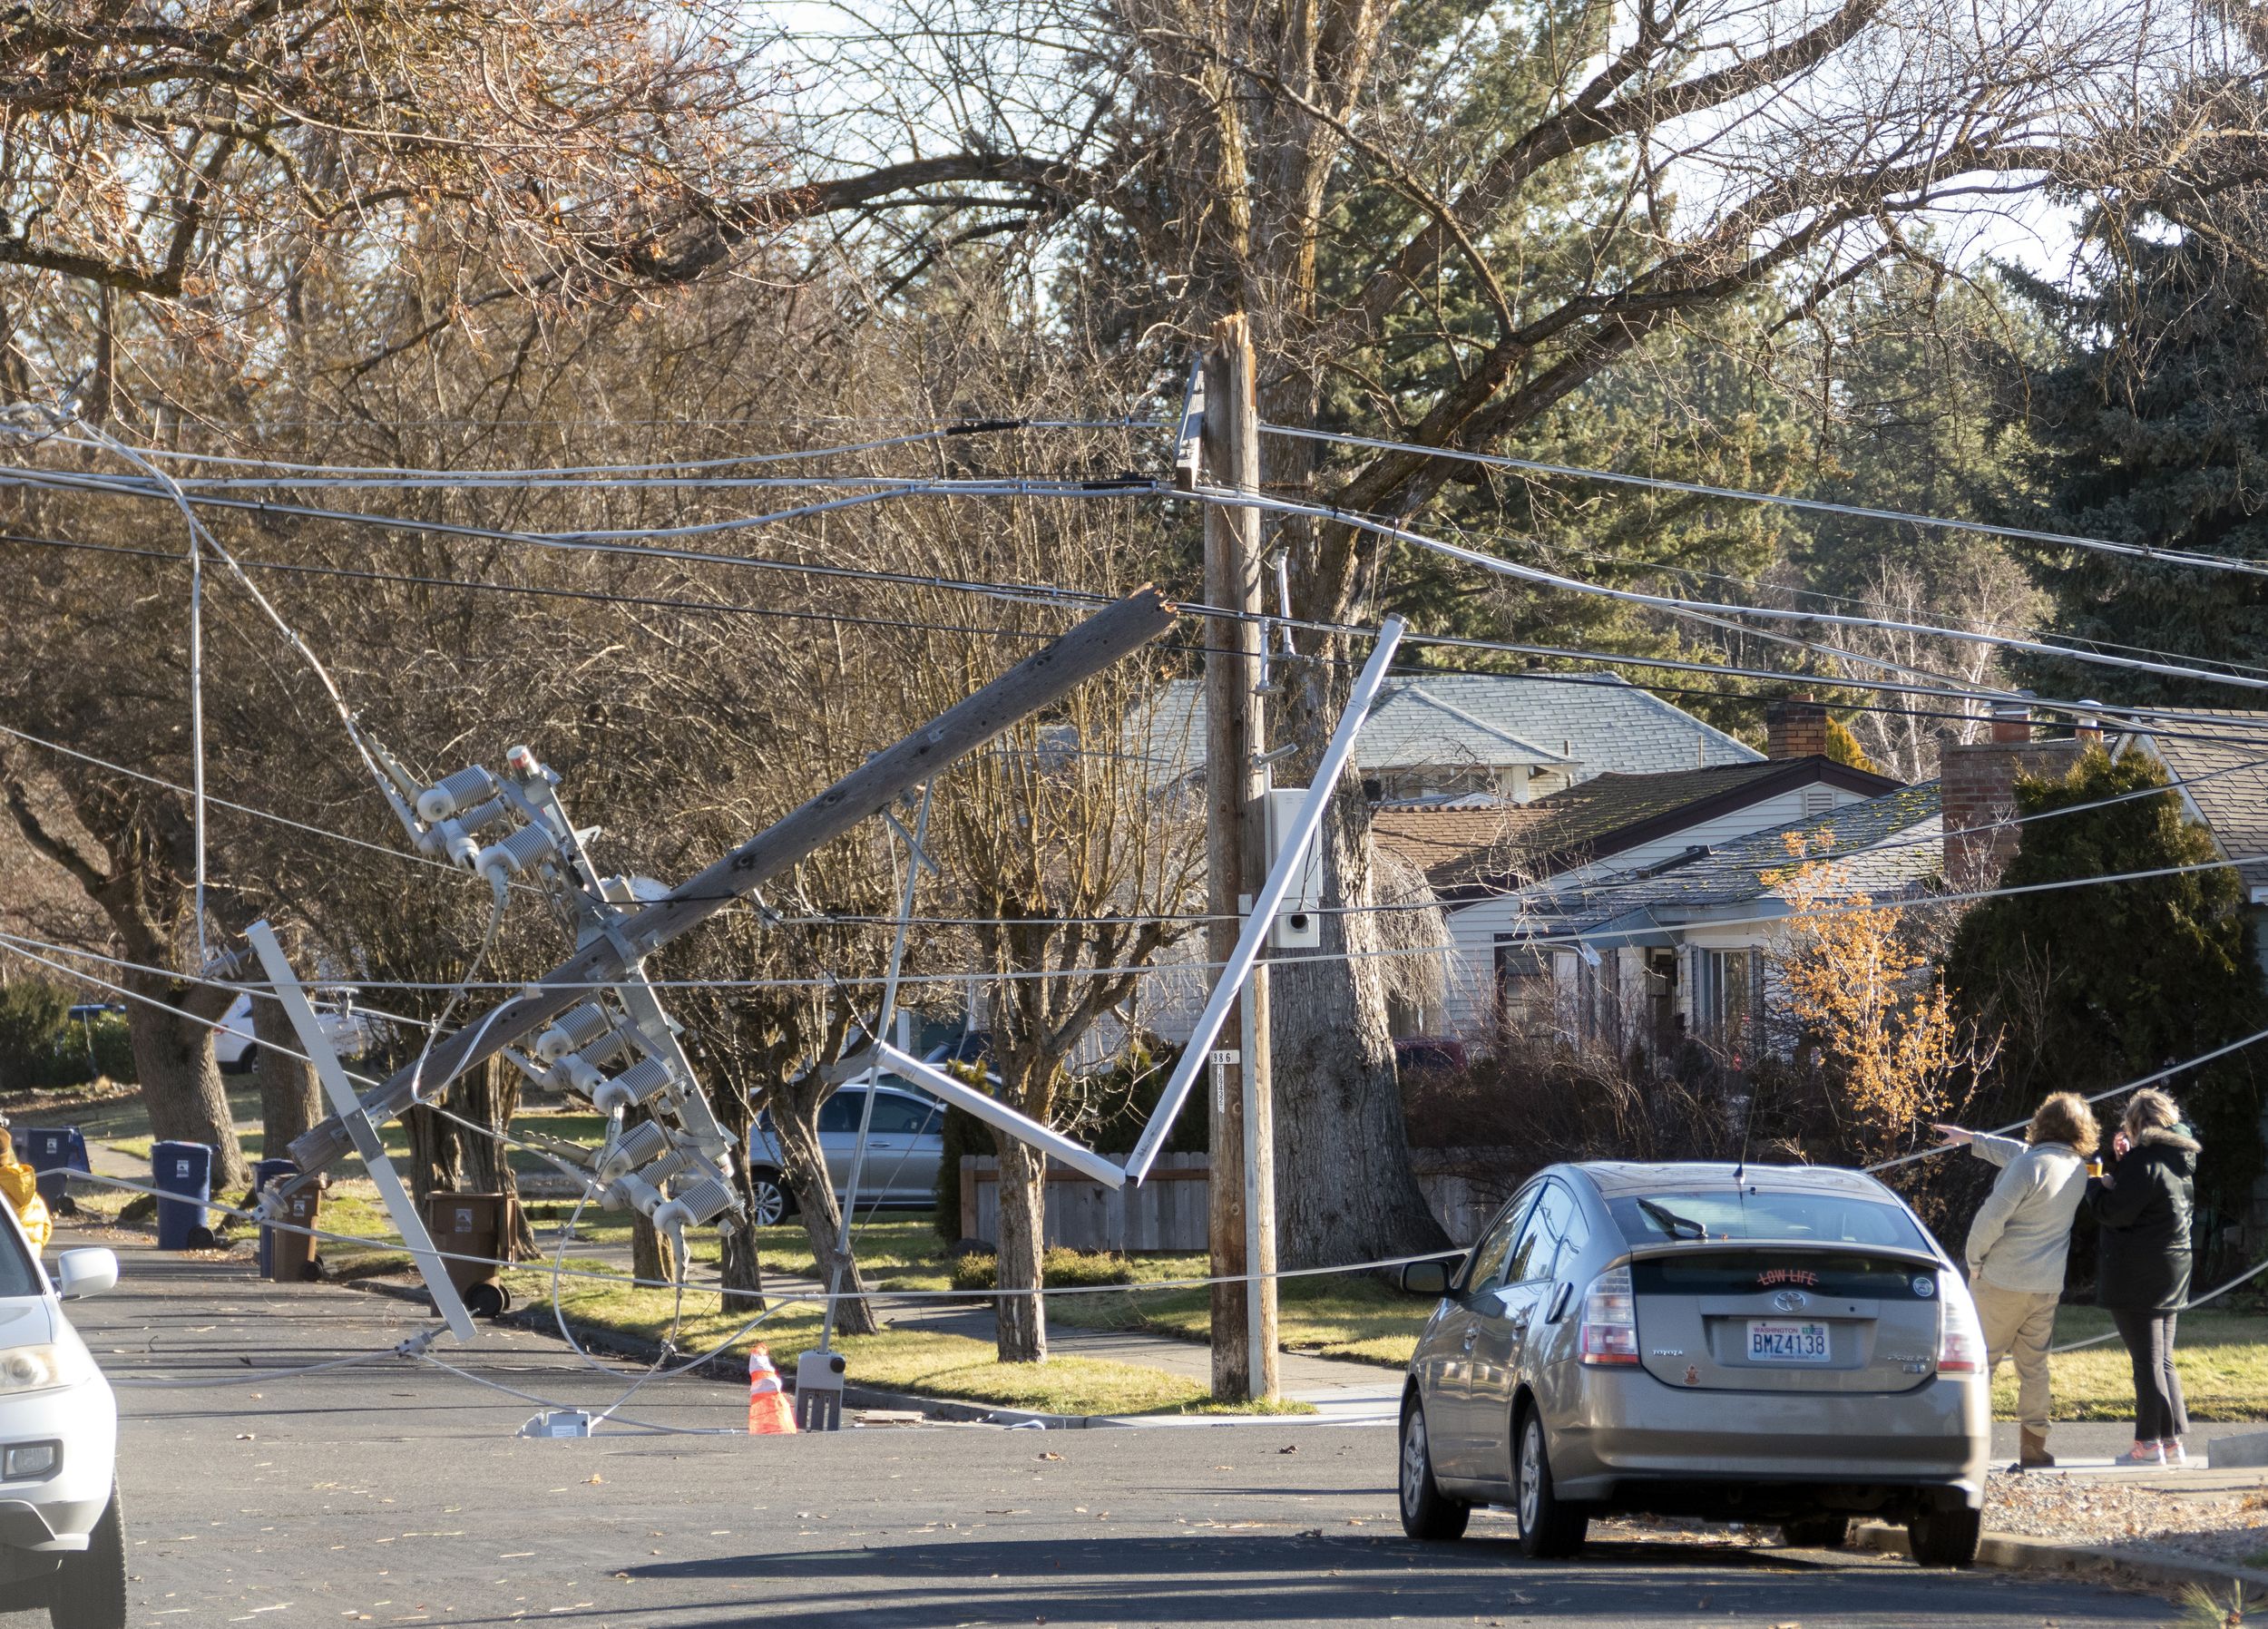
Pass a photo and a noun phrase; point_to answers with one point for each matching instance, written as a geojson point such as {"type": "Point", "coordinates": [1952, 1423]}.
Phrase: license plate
{"type": "Point", "coordinates": [1786, 1343]}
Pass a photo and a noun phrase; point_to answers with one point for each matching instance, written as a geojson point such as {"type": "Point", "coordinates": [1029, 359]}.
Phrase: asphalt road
{"type": "Point", "coordinates": [396, 1493]}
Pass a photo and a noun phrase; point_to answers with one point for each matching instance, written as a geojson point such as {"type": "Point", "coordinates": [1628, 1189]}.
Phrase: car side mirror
{"type": "Point", "coordinates": [1426, 1278]}
{"type": "Point", "coordinates": [83, 1273]}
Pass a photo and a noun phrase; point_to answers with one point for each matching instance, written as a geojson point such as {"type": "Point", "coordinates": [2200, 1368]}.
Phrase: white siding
{"type": "Point", "coordinates": [1474, 927]}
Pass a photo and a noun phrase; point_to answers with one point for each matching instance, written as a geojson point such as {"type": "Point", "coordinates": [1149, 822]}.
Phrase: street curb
{"type": "Point", "coordinates": [2014, 1553]}
{"type": "Point", "coordinates": [538, 1321]}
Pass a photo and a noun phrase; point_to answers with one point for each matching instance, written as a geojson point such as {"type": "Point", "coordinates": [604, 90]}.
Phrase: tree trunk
{"type": "Point", "coordinates": [436, 1161]}
{"type": "Point", "coordinates": [795, 1129]}
{"type": "Point", "coordinates": [490, 1096]}
{"type": "Point", "coordinates": [181, 1081]}
{"type": "Point", "coordinates": [651, 1256]}
{"type": "Point", "coordinates": [1021, 1334]}
{"type": "Point", "coordinates": [1343, 1188]}
{"type": "Point", "coordinates": [738, 1267]}
{"type": "Point", "coordinates": [290, 1095]}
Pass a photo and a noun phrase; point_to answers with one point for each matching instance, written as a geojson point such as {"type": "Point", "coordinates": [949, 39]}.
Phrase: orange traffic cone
{"type": "Point", "coordinates": [769, 1414]}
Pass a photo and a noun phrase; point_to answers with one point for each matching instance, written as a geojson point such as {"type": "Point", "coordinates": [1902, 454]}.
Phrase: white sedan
{"type": "Point", "coordinates": [63, 1541]}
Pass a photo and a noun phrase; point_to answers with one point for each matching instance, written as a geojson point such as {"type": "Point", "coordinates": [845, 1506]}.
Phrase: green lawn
{"type": "Point", "coordinates": [1352, 1315]}
{"type": "Point", "coordinates": [912, 1360]}
{"type": "Point", "coordinates": [2222, 1358]}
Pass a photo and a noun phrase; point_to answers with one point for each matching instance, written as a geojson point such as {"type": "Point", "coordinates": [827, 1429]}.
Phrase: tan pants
{"type": "Point", "coordinates": [2018, 1324]}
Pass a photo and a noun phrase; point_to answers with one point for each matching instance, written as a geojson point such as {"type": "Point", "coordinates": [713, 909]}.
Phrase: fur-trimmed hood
{"type": "Point", "coordinates": [2172, 1143]}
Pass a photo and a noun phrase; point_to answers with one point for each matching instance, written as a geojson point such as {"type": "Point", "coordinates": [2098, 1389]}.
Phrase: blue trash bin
{"type": "Point", "coordinates": [183, 1169]}
{"type": "Point", "coordinates": [55, 1152]}
{"type": "Point", "coordinates": [263, 1173]}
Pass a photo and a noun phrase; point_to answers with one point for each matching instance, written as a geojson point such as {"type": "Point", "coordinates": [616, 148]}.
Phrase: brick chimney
{"type": "Point", "coordinates": [1978, 792]}
{"type": "Point", "coordinates": [2011, 721]}
{"type": "Point", "coordinates": [1795, 727]}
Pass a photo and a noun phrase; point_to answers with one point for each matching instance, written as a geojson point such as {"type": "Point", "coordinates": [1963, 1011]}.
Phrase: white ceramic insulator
{"type": "Point", "coordinates": [639, 1084]}
{"type": "Point", "coordinates": [571, 1031]}
{"type": "Point", "coordinates": [699, 1205]}
{"type": "Point", "coordinates": [462, 790]}
{"type": "Point", "coordinates": [515, 853]}
{"type": "Point", "coordinates": [645, 1143]}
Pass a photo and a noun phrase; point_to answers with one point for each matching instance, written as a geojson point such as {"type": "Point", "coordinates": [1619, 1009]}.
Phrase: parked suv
{"type": "Point", "coordinates": [1773, 1344]}
{"type": "Point", "coordinates": [63, 1541]}
{"type": "Point", "coordinates": [905, 1144]}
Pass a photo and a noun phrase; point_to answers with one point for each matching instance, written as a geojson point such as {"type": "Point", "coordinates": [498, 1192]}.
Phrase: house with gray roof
{"type": "Point", "coordinates": [1678, 947]}
{"type": "Point", "coordinates": [1444, 737]}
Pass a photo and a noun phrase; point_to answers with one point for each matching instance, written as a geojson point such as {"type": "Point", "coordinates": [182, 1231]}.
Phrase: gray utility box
{"type": "Point", "coordinates": [820, 1392]}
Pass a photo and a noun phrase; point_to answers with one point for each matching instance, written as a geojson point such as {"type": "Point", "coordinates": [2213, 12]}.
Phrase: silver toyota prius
{"type": "Point", "coordinates": [1779, 1345]}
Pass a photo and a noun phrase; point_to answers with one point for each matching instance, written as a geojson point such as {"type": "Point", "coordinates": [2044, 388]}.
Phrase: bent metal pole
{"type": "Point", "coordinates": [1264, 909]}
{"type": "Point", "coordinates": [1038, 681]}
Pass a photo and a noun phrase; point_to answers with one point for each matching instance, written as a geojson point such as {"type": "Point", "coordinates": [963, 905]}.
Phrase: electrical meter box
{"type": "Point", "coordinates": [1298, 926]}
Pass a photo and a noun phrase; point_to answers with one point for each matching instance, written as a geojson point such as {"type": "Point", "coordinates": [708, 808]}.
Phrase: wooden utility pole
{"type": "Point", "coordinates": [1243, 1188]}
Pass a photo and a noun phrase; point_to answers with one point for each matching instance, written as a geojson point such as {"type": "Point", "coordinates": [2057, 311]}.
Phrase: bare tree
{"type": "Point", "coordinates": [1986, 591]}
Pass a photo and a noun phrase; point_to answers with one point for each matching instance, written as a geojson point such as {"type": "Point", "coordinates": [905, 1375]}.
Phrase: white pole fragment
{"type": "Point", "coordinates": [1271, 901]}
{"type": "Point", "coordinates": [341, 1091]}
{"type": "Point", "coordinates": [993, 1112]}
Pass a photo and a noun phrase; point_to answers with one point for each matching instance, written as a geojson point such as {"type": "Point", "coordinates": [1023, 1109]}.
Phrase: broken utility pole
{"type": "Point", "coordinates": [1241, 1210]}
{"type": "Point", "coordinates": [1037, 682]}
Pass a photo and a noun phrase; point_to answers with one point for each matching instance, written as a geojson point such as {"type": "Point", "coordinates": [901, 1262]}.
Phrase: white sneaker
{"type": "Point", "coordinates": [2175, 1454]}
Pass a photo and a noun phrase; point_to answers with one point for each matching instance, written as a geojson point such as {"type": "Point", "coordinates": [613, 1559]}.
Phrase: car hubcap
{"type": "Point", "coordinates": [770, 1204]}
{"type": "Point", "coordinates": [1412, 1461]}
{"type": "Point", "coordinates": [1530, 1464]}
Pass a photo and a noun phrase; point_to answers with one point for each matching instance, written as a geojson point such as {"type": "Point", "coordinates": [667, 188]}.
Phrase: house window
{"type": "Point", "coordinates": [1524, 994]}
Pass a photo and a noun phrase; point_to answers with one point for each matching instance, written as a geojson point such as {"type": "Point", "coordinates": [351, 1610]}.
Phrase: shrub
{"type": "Point", "coordinates": [1060, 1266]}
{"type": "Point", "coordinates": [32, 1016]}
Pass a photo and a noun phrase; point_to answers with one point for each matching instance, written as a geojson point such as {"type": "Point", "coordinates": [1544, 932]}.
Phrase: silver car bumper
{"type": "Point", "coordinates": [1626, 1427]}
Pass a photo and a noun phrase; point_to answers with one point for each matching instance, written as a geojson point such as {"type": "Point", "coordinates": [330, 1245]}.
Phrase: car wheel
{"type": "Point", "coordinates": [773, 1203]}
{"type": "Point", "coordinates": [1427, 1513]}
{"type": "Point", "coordinates": [1946, 1537]}
{"type": "Point", "coordinates": [90, 1590]}
{"type": "Point", "coordinates": [1550, 1526]}
{"type": "Point", "coordinates": [1817, 1533]}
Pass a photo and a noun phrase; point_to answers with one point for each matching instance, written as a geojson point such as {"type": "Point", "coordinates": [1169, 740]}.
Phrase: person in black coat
{"type": "Point", "coordinates": [2143, 1204]}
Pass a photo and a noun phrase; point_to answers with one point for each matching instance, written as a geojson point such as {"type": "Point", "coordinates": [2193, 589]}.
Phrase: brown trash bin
{"type": "Point", "coordinates": [479, 1227]}
{"type": "Point", "coordinates": [291, 1255]}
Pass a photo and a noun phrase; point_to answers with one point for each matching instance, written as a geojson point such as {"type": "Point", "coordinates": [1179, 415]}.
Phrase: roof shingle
{"type": "Point", "coordinates": [1601, 722]}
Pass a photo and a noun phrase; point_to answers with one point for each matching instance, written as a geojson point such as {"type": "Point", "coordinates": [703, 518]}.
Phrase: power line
{"type": "Point", "coordinates": [1692, 608]}
{"type": "Point", "coordinates": [613, 542]}
{"type": "Point", "coordinates": [1780, 499]}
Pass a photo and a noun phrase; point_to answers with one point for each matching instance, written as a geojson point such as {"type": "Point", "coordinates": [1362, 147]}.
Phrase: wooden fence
{"type": "Point", "coordinates": [1167, 1212]}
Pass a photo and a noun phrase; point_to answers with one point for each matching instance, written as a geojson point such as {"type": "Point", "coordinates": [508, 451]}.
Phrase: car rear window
{"type": "Point", "coordinates": [1745, 1214]}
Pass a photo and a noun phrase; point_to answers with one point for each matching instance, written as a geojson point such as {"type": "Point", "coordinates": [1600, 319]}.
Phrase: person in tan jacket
{"type": "Point", "coordinates": [20, 1187]}
{"type": "Point", "coordinates": [2017, 1246]}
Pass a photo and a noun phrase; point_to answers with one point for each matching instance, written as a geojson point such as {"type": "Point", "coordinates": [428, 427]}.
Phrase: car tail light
{"type": "Point", "coordinates": [1960, 1348]}
{"type": "Point", "coordinates": [1609, 1331]}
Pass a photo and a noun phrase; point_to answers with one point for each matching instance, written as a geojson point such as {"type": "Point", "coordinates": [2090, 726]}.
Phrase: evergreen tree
{"type": "Point", "coordinates": [2154, 431]}
{"type": "Point", "coordinates": [2094, 986]}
